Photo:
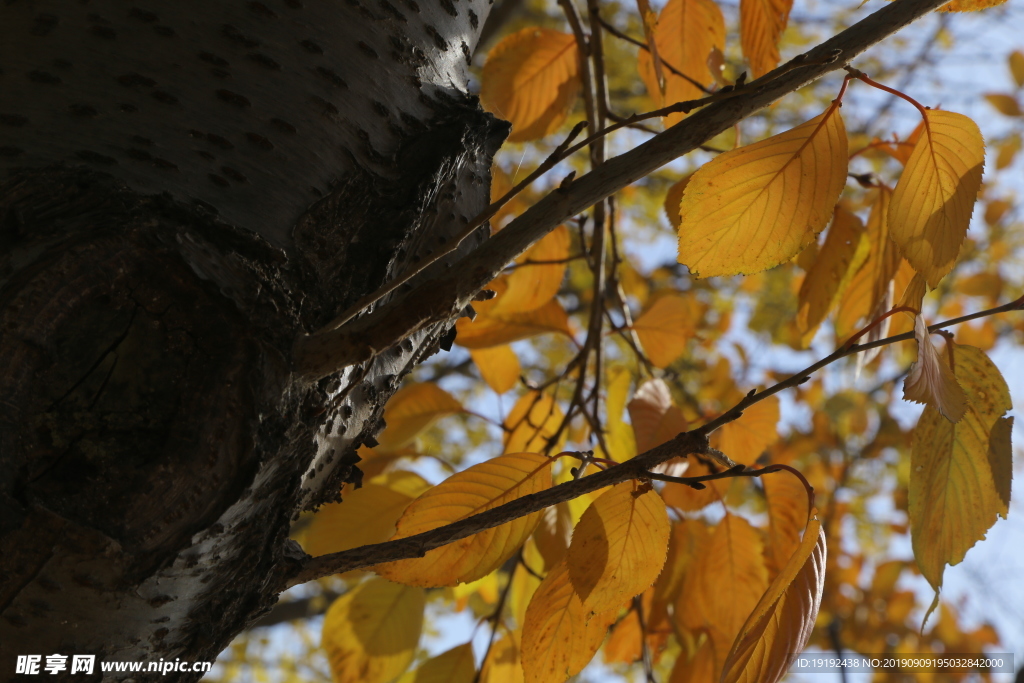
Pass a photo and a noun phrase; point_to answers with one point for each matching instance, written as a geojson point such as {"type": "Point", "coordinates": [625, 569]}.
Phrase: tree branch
{"type": "Point", "coordinates": [694, 442]}
{"type": "Point", "coordinates": [445, 294]}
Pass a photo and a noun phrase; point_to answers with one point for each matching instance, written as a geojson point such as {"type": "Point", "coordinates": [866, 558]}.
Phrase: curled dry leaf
{"type": "Point", "coordinates": [960, 473]}
{"type": "Point", "coordinates": [371, 633]}
{"type": "Point", "coordinates": [411, 410]}
{"type": "Point", "coordinates": [560, 636]}
{"type": "Point", "coordinates": [932, 204]}
{"type": "Point", "coordinates": [472, 491]}
{"type": "Point", "coordinates": [758, 206]}
{"type": "Point", "coordinates": [531, 78]}
{"type": "Point", "coordinates": [787, 515]}
{"type": "Point", "coordinates": [619, 546]}
{"type": "Point", "coordinates": [931, 380]}
{"type": "Point", "coordinates": [781, 623]}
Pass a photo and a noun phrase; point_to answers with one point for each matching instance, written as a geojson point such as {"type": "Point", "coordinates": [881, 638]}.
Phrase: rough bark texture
{"type": "Point", "coordinates": [187, 187]}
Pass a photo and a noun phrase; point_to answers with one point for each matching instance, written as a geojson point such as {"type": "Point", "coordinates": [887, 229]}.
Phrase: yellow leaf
{"type": "Point", "coordinates": [533, 420]}
{"type": "Point", "coordinates": [1004, 104]}
{"type": "Point", "coordinates": [835, 260]}
{"type": "Point", "coordinates": [538, 275]}
{"type": "Point", "coordinates": [560, 636]}
{"type": "Point", "coordinates": [931, 380]}
{"type": "Point", "coordinates": [367, 515]}
{"type": "Point", "coordinates": [756, 207]}
{"type": "Point", "coordinates": [667, 325]}
{"type": "Point", "coordinates": [787, 516]}
{"type": "Point", "coordinates": [745, 439]}
{"type": "Point", "coordinates": [486, 589]}
{"type": "Point", "coordinates": [869, 292]}
{"type": "Point", "coordinates": [1016, 62]}
{"type": "Point", "coordinates": [655, 420]}
{"type": "Point", "coordinates": [472, 491]}
{"type": "Point", "coordinates": [960, 473]}
{"type": "Point", "coordinates": [619, 546]}
{"type": "Point", "coordinates": [618, 434]}
{"type": "Point", "coordinates": [969, 5]}
{"type": "Point", "coordinates": [673, 198]}
{"type": "Point", "coordinates": [553, 534]}
{"type": "Point", "coordinates": [732, 557]}
{"type": "Point", "coordinates": [502, 664]}
{"type": "Point", "coordinates": [411, 410]}
{"type": "Point", "coordinates": [525, 583]}
{"type": "Point", "coordinates": [685, 35]}
{"type": "Point", "coordinates": [779, 627]}
{"type": "Point", "coordinates": [531, 78]}
{"type": "Point", "coordinates": [761, 25]}
{"type": "Point", "coordinates": [371, 633]}
{"type": "Point", "coordinates": [494, 327]}
{"type": "Point", "coordinates": [932, 204]}
{"type": "Point", "coordinates": [498, 365]}
{"type": "Point", "coordinates": [452, 666]}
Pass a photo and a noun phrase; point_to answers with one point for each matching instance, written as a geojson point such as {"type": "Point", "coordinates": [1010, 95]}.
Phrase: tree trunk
{"type": "Point", "coordinates": [188, 188]}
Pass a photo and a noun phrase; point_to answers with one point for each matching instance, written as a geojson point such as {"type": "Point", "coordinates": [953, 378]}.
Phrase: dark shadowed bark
{"type": "Point", "coordinates": [186, 188]}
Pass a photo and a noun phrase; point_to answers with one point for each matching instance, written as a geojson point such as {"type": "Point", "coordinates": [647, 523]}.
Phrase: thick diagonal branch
{"type": "Point", "coordinates": [450, 289]}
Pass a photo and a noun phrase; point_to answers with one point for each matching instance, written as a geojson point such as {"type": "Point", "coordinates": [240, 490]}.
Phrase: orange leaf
{"type": "Point", "coordinates": [761, 25]}
{"type": "Point", "coordinates": [553, 534]}
{"type": "Point", "coordinates": [689, 499]}
{"type": "Point", "coordinates": [498, 365]}
{"type": "Point", "coordinates": [673, 198]}
{"type": "Point", "coordinates": [931, 207]}
{"type": "Point", "coordinates": [531, 78]}
{"type": "Point", "coordinates": [931, 380]}
{"type": "Point", "coordinates": [532, 286]}
{"type": "Point", "coordinates": [533, 420]}
{"type": "Point", "coordinates": [619, 546]}
{"type": "Point", "coordinates": [411, 410]}
{"type": "Point", "coordinates": [685, 35]}
{"type": "Point", "coordinates": [371, 633]}
{"type": "Point", "coordinates": [787, 516]}
{"type": "Point", "coordinates": [560, 636]}
{"type": "Point", "coordinates": [960, 473]}
{"type": "Point", "coordinates": [969, 5]}
{"type": "Point", "coordinates": [655, 420]}
{"type": "Point", "coordinates": [831, 269]}
{"type": "Point", "coordinates": [732, 557]}
{"type": "Point", "coordinates": [472, 491]}
{"type": "Point", "coordinates": [623, 644]}
{"type": "Point", "coordinates": [869, 289]}
{"type": "Point", "coordinates": [779, 627]}
{"type": "Point", "coordinates": [756, 207]}
{"type": "Point", "coordinates": [745, 439]}
{"type": "Point", "coordinates": [667, 325]}
{"type": "Point", "coordinates": [494, 327]}
{"type": "Point", "coordinates": [700, 668]}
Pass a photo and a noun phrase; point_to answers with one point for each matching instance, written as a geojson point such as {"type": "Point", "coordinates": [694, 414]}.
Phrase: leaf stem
{"type": "Point", "coordinates": [861, 76]}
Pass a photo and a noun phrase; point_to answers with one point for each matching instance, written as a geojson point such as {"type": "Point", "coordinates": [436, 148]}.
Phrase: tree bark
{"type": "Point", "coordinates": [189, 187]}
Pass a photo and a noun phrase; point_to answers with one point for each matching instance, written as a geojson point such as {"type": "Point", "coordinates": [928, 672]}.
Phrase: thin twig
{"type": "Point", "coordinates": [693, 442]}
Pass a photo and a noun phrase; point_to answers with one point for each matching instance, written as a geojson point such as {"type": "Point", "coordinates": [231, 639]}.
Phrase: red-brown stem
{"type": "Point", "coordinates": [877, 321]}
{"type": "Point", "coordinates": [859, 75]}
